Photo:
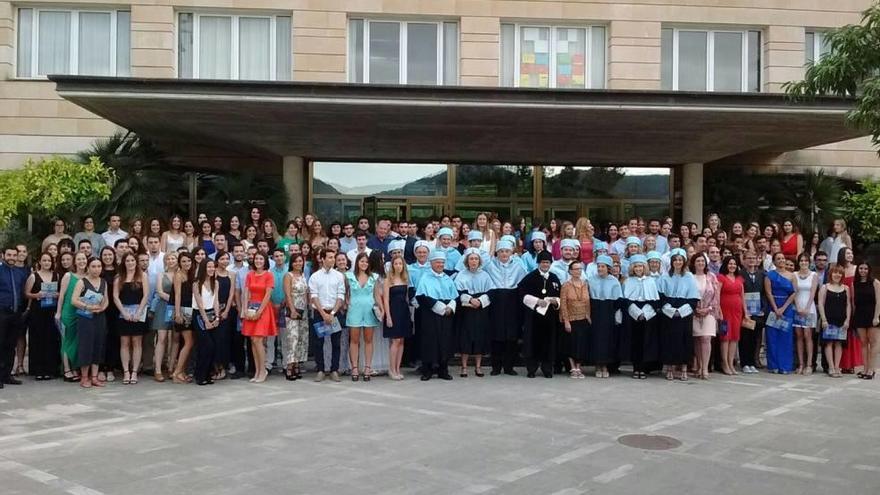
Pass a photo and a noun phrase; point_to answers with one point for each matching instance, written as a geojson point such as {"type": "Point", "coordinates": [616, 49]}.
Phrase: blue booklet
{"type": "Point", "coordinates": [91, 298]}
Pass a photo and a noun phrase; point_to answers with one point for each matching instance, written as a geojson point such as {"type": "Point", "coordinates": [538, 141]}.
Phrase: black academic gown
{"type": "Point", "coordinates": [437, 335]}
{"type": "Point", "coordinates": [540, 331]}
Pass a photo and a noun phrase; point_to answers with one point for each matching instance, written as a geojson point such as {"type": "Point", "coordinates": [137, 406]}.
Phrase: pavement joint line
{"type": "Point", "coordinates": [751, 421]}
{"type": "Point", "coordinates": [47, 478]}
{"type": "Point", "coordinates": [805, 458]}
{"type": "Point", "coordinates": [569, 491]}
{"type": "Point", "coordinates": [777, 412]}
{"type": "Point", "coordinates": [725, 430]}
{"type": "Point", "coordinates": [614, 474]}
{"type": "Point", "coordinates": [865, 467]}
{"type": "Point", "coordinates": [517, 474]}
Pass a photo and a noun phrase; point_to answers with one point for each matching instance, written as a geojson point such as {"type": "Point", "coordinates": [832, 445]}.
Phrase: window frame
{"type": "Point", "coordinates": [402, 49]}
{"type": "Point", "coordinates": [234, 42]}
{"type": "Point", "coordinates": [710, 55]}
{"type": "Point", "coordinates": [73, 42]}
{"type": "Point", "coordinates": [588, 50]}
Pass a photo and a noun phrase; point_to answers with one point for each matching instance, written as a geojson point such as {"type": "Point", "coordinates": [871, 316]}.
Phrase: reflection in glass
{"type": "Point", "coordinates": [389, 179]}
{"type": "Point", "coordinates": [421, 53]}
{"type": "Point", "coordinates": [385, 52]}
{"type": "Point", "coordinates": [500, 181]}
{"type": "Point", "coordinates": [728, 62]}
{"type": "Point", "coordinates": [606, 182]}
{"type": "Point", "coordinates": [692, 60]}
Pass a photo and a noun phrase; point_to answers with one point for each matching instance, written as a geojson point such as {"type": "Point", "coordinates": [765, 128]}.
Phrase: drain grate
{"type": "Point", "coordinates": [649, 442]}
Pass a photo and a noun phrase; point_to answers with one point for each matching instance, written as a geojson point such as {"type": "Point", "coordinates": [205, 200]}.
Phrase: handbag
{"type": "Point", "coordinates": [748, 324]}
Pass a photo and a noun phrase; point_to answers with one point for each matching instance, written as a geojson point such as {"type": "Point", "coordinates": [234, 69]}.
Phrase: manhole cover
{"type": "Point", "coordinates": [649, 442]}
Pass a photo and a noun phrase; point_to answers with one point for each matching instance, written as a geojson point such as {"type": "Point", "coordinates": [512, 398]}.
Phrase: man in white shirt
{"type": "Point", "coordinates": [327, 290]}
{"type": "Point", "coordinates": [114, 233]}
{"type": "Point", "coordinates": [361, 239]}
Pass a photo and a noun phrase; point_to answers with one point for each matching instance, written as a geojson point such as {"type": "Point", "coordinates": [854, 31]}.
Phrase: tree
{"type": "Point", "coordinates": [863, 211]}
{"type": "Point", "coordinates": [147, 184]}
{"type": "Point", "coordinates": [52, 185]}
{"type": "Point", "coordinates": [850, 68]}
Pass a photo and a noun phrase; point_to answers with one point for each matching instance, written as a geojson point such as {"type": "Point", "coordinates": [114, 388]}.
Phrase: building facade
{"type": "Point", "coordinates": [730, 46]}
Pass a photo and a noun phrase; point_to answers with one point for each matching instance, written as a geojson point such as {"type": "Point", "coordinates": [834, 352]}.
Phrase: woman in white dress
{"type": "Point", "coordinates": [173, 238]}
{"type": "Point", "coordinates": [805, 314]}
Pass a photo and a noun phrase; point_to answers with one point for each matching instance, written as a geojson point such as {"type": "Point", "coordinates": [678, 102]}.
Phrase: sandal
{"type": "Point", "coordinates": [69, 376]}
{"type": "Point", "coordinates": [869, 376]}
{"type": "Point", "coordinates": [479, 373]}
{"type": "Point", "coordinates": [179, 378]}
{"type": "Point", "coordinates": [368, 373]}
{"type": "Point", "coordinates": [133, 378]}
{"type": "Point", "coordinates": [159, 377]}
{"type": "Point", "coordinates": [354, 375]}
{"type": "Point", "coordinates": [96, 382]}
{"type": "Point", "coordinates": [463, 372]}
{"type": "Point", "coordinates": [670, 375]}
{"type": "Point", "coordinates": [19, 371]}
{"type": "Point", "coordinates": [808, 371]}
{"type": "Point", "coordinates": [85, 384]}
{"type": "Point", "coordinates": [125, 378]}
{"type": "Point", "coordinates": [289, 375]}
{"type": "Point", "coordinates": [683, 376]}
{"type": "Point", "coordinates": [643, 375]}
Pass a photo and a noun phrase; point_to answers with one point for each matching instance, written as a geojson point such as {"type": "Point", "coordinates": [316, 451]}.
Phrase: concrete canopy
{"type": "Point", "coordinates": [453, 124]}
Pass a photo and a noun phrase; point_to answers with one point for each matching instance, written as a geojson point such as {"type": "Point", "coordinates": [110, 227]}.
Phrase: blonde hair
{"type": "Point", "coordinates": [582, 227]}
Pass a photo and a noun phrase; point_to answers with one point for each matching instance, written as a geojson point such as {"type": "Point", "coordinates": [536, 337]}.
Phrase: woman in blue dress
{"type": "Point", "coordinates": [779, 286]}
{"type": "Point", "coordinates": [362, 296]}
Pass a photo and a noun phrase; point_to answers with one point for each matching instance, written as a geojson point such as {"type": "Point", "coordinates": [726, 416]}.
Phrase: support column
{"type": "Point", "coordinates": [293, 170]}
{"type": "Point", "coordinates": [692, 193]}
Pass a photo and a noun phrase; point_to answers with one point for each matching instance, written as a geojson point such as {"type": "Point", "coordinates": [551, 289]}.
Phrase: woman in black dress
{"type": "Point", "coordinates": [110, 262]}
{"type": "Point", "coordinates": [398, 325]}
{"type": "Point", "coordinates": [835, 312]}
{"type": "Point", "coordinates": [130, 291]}
{"type": "Point", "coordinates": [90, 299]}
{"type": "Point", "coordinates": [223, 333]}
{"type": "Point", "coordinates": [183, 312]}
{"type": "Point", "coordinates": [866, 315]}
{"type": "Point", "coordinates": [44, 341]}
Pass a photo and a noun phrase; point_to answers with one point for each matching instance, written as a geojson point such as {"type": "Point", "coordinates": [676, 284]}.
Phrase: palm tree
{"type": "Point", "coordinates": [813, 199]}
{"type": "Point", "coordinates": [232, 194]}
{"type": "Point", "coordinates": [147, 183]}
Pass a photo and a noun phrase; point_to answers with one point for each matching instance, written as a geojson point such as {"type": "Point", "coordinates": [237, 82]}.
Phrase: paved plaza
{"type": "Point", "coordinates": [510, 435]}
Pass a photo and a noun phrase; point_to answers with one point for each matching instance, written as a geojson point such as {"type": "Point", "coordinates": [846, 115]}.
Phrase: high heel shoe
{"type": "Point", "coordinates": [868, 376]}
{"type": "Point", "coordinates": [368, 373]}
{"type": "Point", "coordinates": [354, 375]}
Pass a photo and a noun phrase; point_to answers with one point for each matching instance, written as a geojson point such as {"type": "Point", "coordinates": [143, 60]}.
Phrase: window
{"type": "Point", "coordinates": [700, 60]}
{"type": "Point", "coordinates": [83, 42]}
{"type": "Point", "coordinates": [552, 57]}
{"type": "Point", "coordinates": [247, 47]}
{"type": "Point", "coordinates": [394, 52]}
{"type": "Point", "coordinates": [815, 44]}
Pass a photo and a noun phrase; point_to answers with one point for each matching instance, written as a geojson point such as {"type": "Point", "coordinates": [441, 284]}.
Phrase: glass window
{"type": "Point", "coordinates": [384, 52]}
{"type": "Point", "coordinates": [283, 53]}
{"type": "Point", "coordinates": [421, 53]}
{"type": "Point", "coordinates": [253, 48]}
{"type": "Point", "coordinates": [815, 44]}
{"type": "Point", "coordinates": [394, 52]}
{"type": "Point", "coordinates": [83, 42]}
{"type": "Point", "coordinates": [692, 61]}
{"type": "Point", "coordinates": [379, 179]}
{"type": "Point", "coordinates": [606, 182]}
{"type": "Point", "coordinates": [234, 47]}
{"type": "Point", "coordinates": [552, 57]}
{"type": "Point", "coordinates": [698, 60]}
{"type": "Point", "coordinates": [497, 181]}
{"type": "Point", "coordinates": [728, 62]}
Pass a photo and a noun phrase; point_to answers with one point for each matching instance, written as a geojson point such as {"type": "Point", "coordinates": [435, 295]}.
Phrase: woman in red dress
{"type": "Point", "coordinates": [852, 348]}
{"type": "Point", "coordinates": [733, 307]}
{"type": "Point", "coordinates": [792, 241]}
{"type": "Point", "coordinates": [584, 231]}
{"type": "Point", "coordinates": [258, 318]}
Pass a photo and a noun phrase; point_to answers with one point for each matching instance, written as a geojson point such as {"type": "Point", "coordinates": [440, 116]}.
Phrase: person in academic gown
{"type": "Point", "coordinates": [437, 297]}
{"type": "Point", "coordinates": [678, 298]}
{"type": "Point", "coordinates": [530, 257]}
{"type": "Point", "coordinates": [506, 311]}
{"type": "Point", "coordinates": [539, 292]}
{"type": "Point", "coordinates": [599, 248]}
{"type": "Point", "coordinates": [639, 336]}
{"type": "Point", "coordinates": [655, 264]}
{"type": "Point", "coordinates": [605, 295]}
{"type": "Point", "coordinates": [446, 246]}
{"type": "Point", "coordinates": [569, 249]}
{"type": "Point", "coordinates": [475, 240]}
{"type": "Point", "coordinates": [472, 322]}
{"type": "Point", "coordinates": [416, 270]}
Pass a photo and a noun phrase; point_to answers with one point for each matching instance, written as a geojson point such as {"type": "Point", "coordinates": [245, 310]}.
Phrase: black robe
{"type": "Point", "coordinates": [506, 313]}
{"type": "Point", "coordinates": [540, 331]}
{"type": "Point", "coordinates": [436, 340]}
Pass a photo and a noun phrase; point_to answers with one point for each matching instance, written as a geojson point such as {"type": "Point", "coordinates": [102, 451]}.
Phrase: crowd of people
{"type": "Point", "coordinates": [230, 298]}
